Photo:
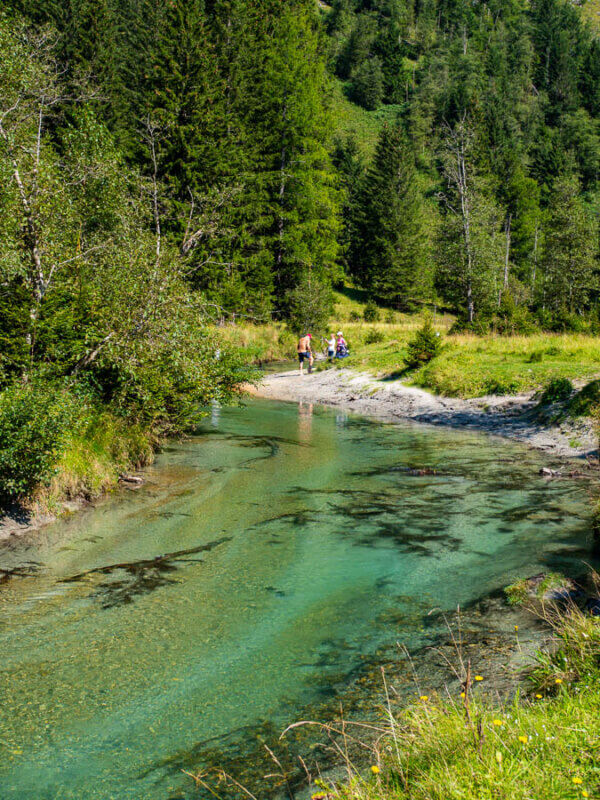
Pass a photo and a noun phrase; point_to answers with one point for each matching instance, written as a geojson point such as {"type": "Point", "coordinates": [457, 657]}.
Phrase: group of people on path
{"type": "Point", "coordinates": [336, 348]}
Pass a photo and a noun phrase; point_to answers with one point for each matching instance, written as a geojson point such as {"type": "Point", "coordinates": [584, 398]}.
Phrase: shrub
{"type": "Point", "coordinates": [536, 357]}
{"type": "Point", "coordinates": [34, 420]}
{"type": "Point", "coordinates": [374, 336]}
{"type": "Point", "coordinates": [499, 386]}
{"type": "Point", "coordinates": [425, 346]}
{"type": "Point", "coordinates": [310, 306]}
{"type": "Point", "coordinates": [367, 84]}
{"type": "Point", "coordinates": [587, 401]}
{"type": "Point", "coordinates": [371, 312]}
{"type": "Point", "coordinates": [355, 316]}
{"type": "Point", "coordinates": [390, 317]}
{"type": "Point", "coordinates": [558, 389]}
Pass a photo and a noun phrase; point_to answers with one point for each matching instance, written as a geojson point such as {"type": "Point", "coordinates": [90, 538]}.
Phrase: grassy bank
{"type": "Point", "coordinates": [468, 366]}
{"type": "Point", "coordinates": [91, 460]}
{"type": "Point", "coordinates": [543, 744]}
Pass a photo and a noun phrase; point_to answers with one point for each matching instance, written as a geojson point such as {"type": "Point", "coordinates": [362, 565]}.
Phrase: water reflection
{"type": "Point", "coordinates": [264, 574]}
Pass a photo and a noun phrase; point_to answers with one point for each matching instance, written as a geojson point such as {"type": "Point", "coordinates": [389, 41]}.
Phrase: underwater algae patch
{"type": "Point", "coordinates": [135, 578]}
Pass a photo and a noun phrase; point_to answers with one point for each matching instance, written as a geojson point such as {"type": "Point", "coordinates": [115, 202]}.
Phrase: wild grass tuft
{"type": "Point", "coordinates": [470, 746]}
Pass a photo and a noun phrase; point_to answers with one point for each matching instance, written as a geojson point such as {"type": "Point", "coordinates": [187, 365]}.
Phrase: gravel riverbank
{"type": "Point", "coordinates": [391, 400]}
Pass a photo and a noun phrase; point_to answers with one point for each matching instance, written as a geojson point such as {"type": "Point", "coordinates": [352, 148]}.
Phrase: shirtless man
{"type": "Point", "coordinates": [305, 353]}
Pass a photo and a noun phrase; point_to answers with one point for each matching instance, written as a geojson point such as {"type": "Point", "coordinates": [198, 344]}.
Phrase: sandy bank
{"type": "Point", "coordinates": [511, 417]}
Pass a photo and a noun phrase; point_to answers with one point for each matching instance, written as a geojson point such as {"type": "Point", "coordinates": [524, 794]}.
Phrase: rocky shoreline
{"type": "Point", "coordinates": [393, 401]}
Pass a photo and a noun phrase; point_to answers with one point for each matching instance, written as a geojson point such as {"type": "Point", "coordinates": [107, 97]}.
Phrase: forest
{"type": "Point", "coordinates": [166, 167]}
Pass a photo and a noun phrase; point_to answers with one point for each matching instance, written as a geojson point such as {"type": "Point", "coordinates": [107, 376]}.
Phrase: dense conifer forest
{"type": "Point", "coordinates": [168, 164]}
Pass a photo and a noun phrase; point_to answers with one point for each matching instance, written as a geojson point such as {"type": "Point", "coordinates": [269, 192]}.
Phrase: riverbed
{"type": "Point", "coordinates": [255, 580]}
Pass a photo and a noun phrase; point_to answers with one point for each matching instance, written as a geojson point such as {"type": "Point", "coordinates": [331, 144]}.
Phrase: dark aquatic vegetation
{"type": "Point", "coordinates": [24, 570]}
{"type": "Point", "coordinates": [143, 576]}
{"type": "Point", "coordinates": [265, 574]}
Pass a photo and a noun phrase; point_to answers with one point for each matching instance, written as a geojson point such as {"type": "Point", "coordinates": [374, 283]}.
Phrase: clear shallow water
{"type": "Point", "coordinates": [301, 542]}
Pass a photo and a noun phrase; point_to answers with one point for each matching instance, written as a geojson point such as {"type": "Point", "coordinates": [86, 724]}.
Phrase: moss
{"type": "Point", "coordinates": [516, 593]}
{"type": "Point", "coordinates": [586, 402]}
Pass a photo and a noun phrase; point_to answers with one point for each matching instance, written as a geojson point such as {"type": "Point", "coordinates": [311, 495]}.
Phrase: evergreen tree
{"type": "Point", "coordinates": [367, 84]}
{"type": "Point", "coordinates": [389, 252]}
{"type": "Point", "coordinates": [571, 237]}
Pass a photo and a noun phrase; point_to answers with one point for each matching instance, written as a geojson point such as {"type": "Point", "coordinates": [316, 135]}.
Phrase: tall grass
{"type": "Point", "coordinates": [542, 744]}
{"type": "Point", "coordinates": [93, 457]}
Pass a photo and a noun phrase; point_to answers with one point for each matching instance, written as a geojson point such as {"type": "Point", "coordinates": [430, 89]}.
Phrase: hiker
{"type": "Point", "coordinates": [341, 350]}
{"type": "Point", "coordinates": [331, 344]}
{"type": "Point", "coordinates": [305, 352]}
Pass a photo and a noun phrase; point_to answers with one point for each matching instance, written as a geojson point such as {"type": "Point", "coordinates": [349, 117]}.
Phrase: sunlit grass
{"type": "Point", "coordinates": [472, 366]}
{"type": "Point", "coordinates": [94, 456]}
{"type": "Point", "coordinates": [470, 747]}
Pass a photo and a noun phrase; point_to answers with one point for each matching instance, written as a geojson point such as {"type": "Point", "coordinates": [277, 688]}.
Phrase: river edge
{"type": "Point", "coordinates": [573, 443]}
{"type": "Point", "coordinates": [19, 521]}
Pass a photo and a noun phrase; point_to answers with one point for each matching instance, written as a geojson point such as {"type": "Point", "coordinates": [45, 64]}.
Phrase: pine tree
{"type": "Point", "coordinates": [389, 252]}
{"type": "Point", "coordinates": [571, 236]}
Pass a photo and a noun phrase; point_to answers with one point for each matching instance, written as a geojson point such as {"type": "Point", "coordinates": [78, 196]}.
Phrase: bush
{"type": "Point", "coordinates": [586, 402]}
{"type": "Point", "coordinates": [34, 420]}
{"type": "Point", "coordinates": [367, 84]}
{"type": "Point", "coordinates": [310, 305]}
{"type": "Point", "coordinates": [374, 336]}
{"type": "Point", "coordinates": [558, 389]}
{"type": "Point", "coordinates": [371, 312]}
{"type": "Point", "coordinates": [502, 386]}
{"type": "Point", "coordinates": [426, 345]}
{"type": "Point", "coordinates": [355, 316]}
{"type": "Point", "coordinates": [390, 317]}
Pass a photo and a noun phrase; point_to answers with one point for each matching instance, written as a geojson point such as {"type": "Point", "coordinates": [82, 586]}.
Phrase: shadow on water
{"type": "Point", "coordinates": [143, 576]}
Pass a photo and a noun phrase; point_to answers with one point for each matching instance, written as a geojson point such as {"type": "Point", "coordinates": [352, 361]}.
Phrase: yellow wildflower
{"type": "Point", "coordinates": [577, 780]}
{"type": "Point", "coordinates": [463, 695]}
{"type": "Point", "coordinates": [318, 796]}
{"type": "Point", "coordinates": [424, 697]}
{"type": "Point", "coordinates": [524, 739]}
{"type": "Point", "coordinates": [516, 627]}
{"type": "Point", "coordinates": [478, 678]}
{"type": "Point", "coordinates": [558, 680]}
{"type": "Point", "coordinates": [375, 769]}
{"type": "Point", "coordinates": [584, 793]}
{"type": "Point", "coordinates": [538, 697]}
{"type": "Point", "coordinates": [498, 756]}
{"type": "Point", "coordinates": [498, 722]}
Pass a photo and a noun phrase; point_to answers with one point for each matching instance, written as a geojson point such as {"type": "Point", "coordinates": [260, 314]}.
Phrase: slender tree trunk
{"type": "Point", "coordinates": [282, 187]}
{"type": "Point", "coordinates": [37, 280]}
{"type": "Point", "coordinates": [535, 249]}
{"type": "Point", "coordinates": [504, 287]}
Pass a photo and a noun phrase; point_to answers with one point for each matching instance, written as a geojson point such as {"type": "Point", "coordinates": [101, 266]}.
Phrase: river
{"type": "Point", "coordinates": [295, 545]}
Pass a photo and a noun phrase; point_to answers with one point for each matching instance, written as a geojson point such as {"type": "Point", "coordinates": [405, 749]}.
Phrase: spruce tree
{"type": "Point", "coordinates": [390, 249]}
{"type": "Point", "coordinates": [571, 240]}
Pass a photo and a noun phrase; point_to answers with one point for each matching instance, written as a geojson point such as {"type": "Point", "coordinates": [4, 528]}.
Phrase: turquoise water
{"type": "Point", "coordinates": [294, 544]}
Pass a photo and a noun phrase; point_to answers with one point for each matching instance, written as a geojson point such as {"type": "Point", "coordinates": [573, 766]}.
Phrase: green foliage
{"type": "Point", "coordinates": [34, 421]}
{"type": "Point", "coordinates": [586, 402]}
{"type": "Point", "coordinates": [366, 84]}
{"type": "Point", "coordinates": [424, 347]}
{"type": "Point", "coordinates": [389, 244]}
{"type": "Point", "coordinates": [539, 743]}
{"type": "Point", "coordinates": [371, 312]}
{"type": "Point", "coordinates": [374, 336]}
{"type": "Point", "coordinates": [516, 593]}
{"type": "Point", "coordinates": [310, 306]}
{"type": "Point", "coordinates": [557, 390]}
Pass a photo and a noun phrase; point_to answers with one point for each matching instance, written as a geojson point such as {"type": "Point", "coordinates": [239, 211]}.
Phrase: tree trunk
{"type": "Point", "coordinates": [281, 221]}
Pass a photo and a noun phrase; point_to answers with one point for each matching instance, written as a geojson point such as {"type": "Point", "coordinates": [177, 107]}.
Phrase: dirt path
{"type": "Point", "coordinates": [511, 417]}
